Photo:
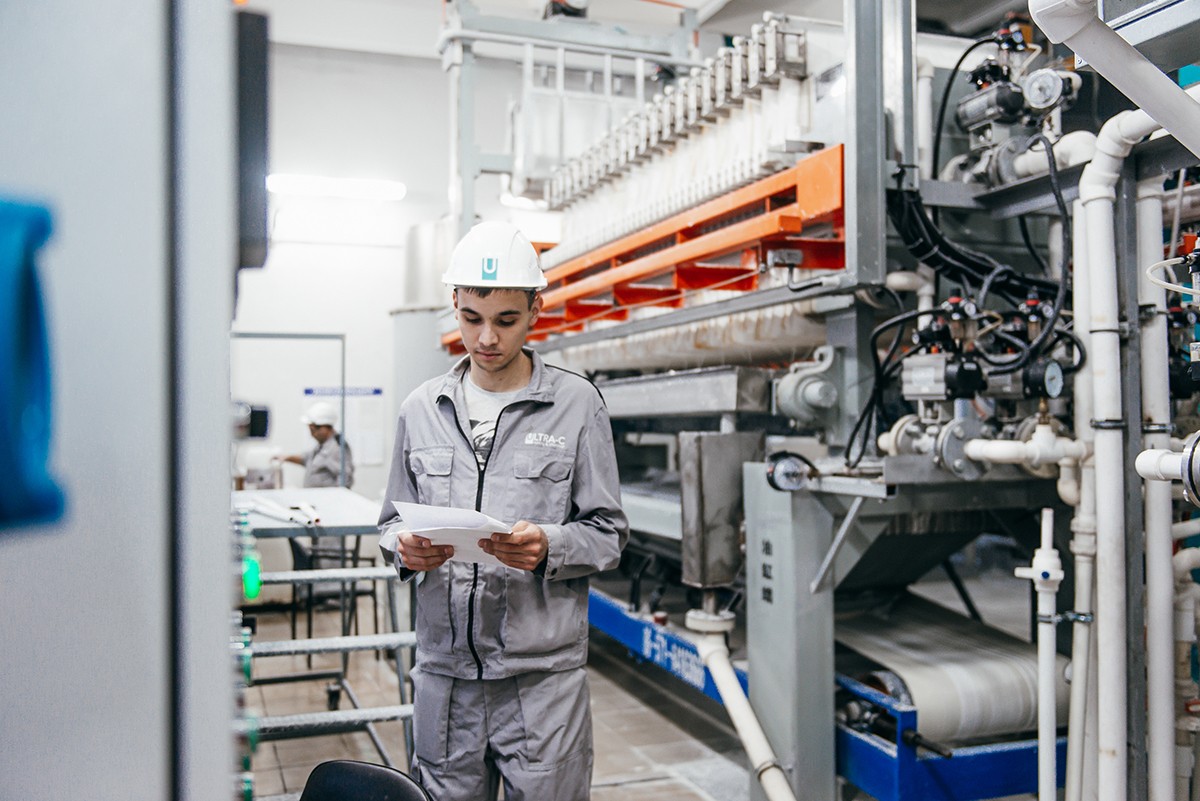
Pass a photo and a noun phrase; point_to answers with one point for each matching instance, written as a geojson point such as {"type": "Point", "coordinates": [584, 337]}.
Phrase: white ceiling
{"type": "Point", "coordinates": [411, 27]}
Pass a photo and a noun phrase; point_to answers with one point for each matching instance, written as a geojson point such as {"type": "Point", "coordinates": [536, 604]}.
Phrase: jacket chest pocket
{"type": "Point", "coordinates": [431, 466]}
{"type": "Point", "coordinates": [542, 486]}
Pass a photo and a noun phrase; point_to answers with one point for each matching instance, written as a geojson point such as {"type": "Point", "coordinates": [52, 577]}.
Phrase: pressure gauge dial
{"type": "Point", "coordinates": [1044, 379]}
{"type": "Point", "coordinates": [788, 472]}
{"type": "Point", "coordinates": [1044, 90]}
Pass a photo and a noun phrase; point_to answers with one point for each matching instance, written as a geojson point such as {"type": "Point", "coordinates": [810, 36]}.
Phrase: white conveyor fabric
{"type": "Point", "coordinates": [966, 680]}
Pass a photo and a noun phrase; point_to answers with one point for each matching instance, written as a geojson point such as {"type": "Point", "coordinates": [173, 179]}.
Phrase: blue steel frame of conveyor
{"type": "Point", "coordinates": [895, 771]}
{"type": "Point", "coordinates": [650, 642]}
{"type": "Point", "coordinates": [886, 770]}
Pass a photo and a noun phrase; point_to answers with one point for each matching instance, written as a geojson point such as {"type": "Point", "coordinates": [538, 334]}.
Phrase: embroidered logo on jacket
{"type": "Point", "coordinates": [545, 440]}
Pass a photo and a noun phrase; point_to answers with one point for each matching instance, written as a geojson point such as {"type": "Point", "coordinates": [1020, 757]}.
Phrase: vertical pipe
{"type": "Point", "coordinates": [1083, 526]}
{"type": "Point", "coordinates": [1110, 497]}
{"type": "Point", "coordinates": [1047, 590]}
{"type": "Point", "coordinates": [1160, 582]}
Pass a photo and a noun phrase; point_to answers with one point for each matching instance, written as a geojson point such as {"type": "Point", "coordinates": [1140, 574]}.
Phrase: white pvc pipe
{"type": "Point", "coordinates": [1188, 528]}
{"type": "Point", "coordinates": [1047, 574]}
{"type": "Point", "coordinates": [924, 111]}
{"type": "Point", "coordinates": [1098, 276]}
{"type": "Point", "coordinates": [1160, 465]}
{"type": "Point", "coordinates": [1160, 589]}
{"type": "Point", "coordinates": [1077, 24]}
{"type": "Point", "coordinates": [927, 292]}
{"type": "Point", "coordinates": [715, 656]}
{"type": "Point", "coordinates": [1044, 447]}
{"type": "Point", "coordinates": [1083, 546]}
{"type": "Point", "coordinates": [1073, 148]}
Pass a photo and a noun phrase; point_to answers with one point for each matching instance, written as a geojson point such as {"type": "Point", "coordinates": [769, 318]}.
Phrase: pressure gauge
{"type": "Point", "coordinates": [1044, 379]}
{"type": "Point", "coordinates": [1044, 89]}
{"type": "Point", "coordinates": [787, 471]}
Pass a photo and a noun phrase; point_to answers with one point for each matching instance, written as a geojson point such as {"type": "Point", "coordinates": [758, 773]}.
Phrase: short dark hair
{"type": "Point", "coordinates": [484, 291]}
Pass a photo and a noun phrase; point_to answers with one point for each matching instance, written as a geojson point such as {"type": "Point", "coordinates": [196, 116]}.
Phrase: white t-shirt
{"type": "Point", "coordinates": [483, 408]}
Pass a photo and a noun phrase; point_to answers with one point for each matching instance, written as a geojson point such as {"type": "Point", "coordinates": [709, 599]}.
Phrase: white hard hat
{"type": "Point", "coordinates": [495, 255]}
{"type": "Point", "coordinates": [320, 414]}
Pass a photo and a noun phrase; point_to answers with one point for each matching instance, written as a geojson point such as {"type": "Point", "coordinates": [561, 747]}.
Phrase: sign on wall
{"type": "Point", "coordinates": [363, 427]}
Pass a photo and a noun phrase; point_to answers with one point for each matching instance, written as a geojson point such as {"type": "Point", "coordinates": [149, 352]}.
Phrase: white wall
{"type": "Point", "coordinates": [338, 266]}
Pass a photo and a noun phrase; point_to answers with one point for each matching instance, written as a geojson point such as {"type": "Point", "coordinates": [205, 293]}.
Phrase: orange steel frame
{"type": "Point", "coordinates": [660, 263]}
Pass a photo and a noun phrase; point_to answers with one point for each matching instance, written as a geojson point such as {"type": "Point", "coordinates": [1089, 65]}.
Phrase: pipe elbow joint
{"type": "Point", "coordinates": [1060, 20]}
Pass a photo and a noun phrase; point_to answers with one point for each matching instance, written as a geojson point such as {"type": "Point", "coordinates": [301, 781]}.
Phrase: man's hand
{"type": "Point", "coordinates": [417, 554]}
{"type": "Point", "coordinates": [523, 548]}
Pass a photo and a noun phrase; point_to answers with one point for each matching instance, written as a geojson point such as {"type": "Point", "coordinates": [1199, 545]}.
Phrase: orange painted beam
{"type": "Point", "coordinates": [716, 243]}
{"type": "Point", "coordinates": [781, 204]}
{"type": "Point", "coordinates": [702, 276]}
{"type": "Point", "coordinates": [816, 181]}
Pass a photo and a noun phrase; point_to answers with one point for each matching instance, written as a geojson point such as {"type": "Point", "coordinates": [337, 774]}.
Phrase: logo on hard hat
{"type": "Point", "coordinates": [490, 267]}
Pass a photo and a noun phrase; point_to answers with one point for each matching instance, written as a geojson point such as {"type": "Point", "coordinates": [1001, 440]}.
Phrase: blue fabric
{"type": "Point", "coordinates": [27, 493]}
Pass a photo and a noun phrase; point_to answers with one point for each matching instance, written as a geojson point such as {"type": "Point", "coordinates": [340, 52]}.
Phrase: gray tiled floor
{"type": "Point", "coordinates": [651, 745]}
{"type": "Point", "coordinates": [656, 740]}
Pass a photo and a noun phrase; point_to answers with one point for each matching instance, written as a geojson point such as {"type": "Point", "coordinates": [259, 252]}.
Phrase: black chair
{"type": "Point", "coordinates": [347, 780]}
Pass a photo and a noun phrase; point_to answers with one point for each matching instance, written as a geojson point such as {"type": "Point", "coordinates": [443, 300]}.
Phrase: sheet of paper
{"type": "Point", "coordinates": [461, 529]}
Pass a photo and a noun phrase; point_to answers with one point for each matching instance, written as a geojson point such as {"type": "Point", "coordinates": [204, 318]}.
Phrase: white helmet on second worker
{"type": "Point", "coordinates": [495, 255]}
{"type": "Point", "coordinates": [320, 414]}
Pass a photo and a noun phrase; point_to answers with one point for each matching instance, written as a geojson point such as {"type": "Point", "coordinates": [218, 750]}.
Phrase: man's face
{"type": "Point", "coordinates": [494, 328]}
{"type": "Point", "coordinates": [320, 433]}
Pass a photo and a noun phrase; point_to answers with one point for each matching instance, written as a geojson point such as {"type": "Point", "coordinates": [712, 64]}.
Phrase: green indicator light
{"type": "Point", "coordinates": [251, 576]}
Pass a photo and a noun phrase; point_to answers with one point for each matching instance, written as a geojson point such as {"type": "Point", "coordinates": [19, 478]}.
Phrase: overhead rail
{"type": "Point", "coordinates": [661, 263]}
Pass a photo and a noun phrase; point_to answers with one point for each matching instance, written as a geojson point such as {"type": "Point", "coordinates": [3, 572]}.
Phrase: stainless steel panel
{"type": "Point", "coordinates": [653, 514]}
{"type": "Point", "coordinates": [710, 465]}
{"type": "Point", "coordinates": [695, 392]}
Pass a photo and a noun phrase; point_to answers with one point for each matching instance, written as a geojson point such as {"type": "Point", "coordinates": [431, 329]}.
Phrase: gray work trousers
{"type": "Point", "coordinates": [533, 730]}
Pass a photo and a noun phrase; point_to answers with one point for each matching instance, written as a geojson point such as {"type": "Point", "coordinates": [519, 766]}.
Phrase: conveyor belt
{"type": "Point", "coordinates": [966, 679]}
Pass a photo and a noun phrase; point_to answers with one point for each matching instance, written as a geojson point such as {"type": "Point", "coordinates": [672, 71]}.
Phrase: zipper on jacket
{"type": "Point", "coordinates": [475, 572]}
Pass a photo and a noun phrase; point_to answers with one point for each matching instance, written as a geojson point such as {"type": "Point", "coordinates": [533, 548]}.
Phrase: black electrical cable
{"type": "Point", "coordinates": [1028, 240]}
{"type": "Point", "coordinates": [1081, 358]}
{"type": "Point", "coordinates": [1060, 297]}
{"type": "Point", "coordinates": [882, 372]}
{"type": "Point", "coordinates": [941, 115]}
{"type": "Point", "coordinates": [926, 242]}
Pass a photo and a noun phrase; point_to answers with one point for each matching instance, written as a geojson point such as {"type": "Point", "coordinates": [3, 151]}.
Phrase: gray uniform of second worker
{"type": "Point", "coordinates": [323, 465]}
{"type": "Point", "coordinates": [515, 640]}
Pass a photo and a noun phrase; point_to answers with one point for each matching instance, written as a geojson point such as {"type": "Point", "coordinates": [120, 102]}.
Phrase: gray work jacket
{"type": "Point", "coordinates": [323, 464]}
{"type": "Point", "coordinates": [552, 463]}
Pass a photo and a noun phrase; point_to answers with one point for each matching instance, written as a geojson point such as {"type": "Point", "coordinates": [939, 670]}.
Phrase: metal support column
{"type": "Point", "coordinates": [865, 153]}
{"type": "Point", "coordinates": [1135, 576]}
{"type": "Point", "coordinates": [900, 36]}
{"type": "Point", "coordinates": [789, 632]}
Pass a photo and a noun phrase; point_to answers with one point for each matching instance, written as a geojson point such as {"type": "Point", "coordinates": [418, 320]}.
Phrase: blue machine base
{"type": "Point", "coordinates": [889, 771]}
{"type": "Point", "coordinates": [652, 643]}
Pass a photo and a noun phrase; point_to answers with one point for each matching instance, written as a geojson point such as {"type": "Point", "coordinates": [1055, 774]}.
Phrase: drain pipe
{"type": "Point", "coordinates": [712, 627]}
{"type": "Point", "coordinates": [1099, 278]}
{"type": "Point", "coordinates": [1046, 574]}
{"type": "Point", "coordinates": [1083, 543]}
{"type": "Point", "coordinates": [1160, 585]}
{"type": "Point", "coordinates": [1077, 24]}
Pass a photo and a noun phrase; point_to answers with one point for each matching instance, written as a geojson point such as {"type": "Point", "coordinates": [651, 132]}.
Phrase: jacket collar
{"type": "Point", "coordinates": [540, 387]}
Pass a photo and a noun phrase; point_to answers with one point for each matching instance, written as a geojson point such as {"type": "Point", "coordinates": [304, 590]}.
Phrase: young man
{"type": "Point", "coordinates": [500, 683]}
